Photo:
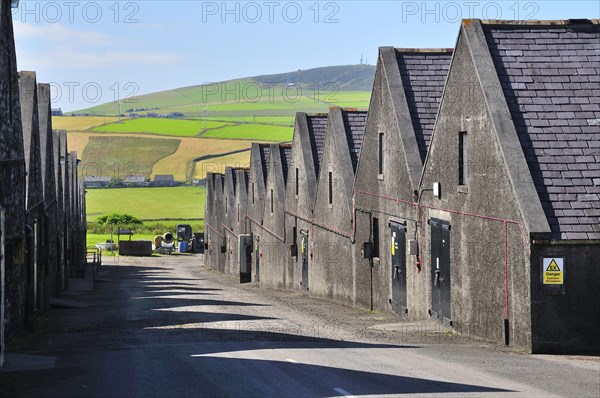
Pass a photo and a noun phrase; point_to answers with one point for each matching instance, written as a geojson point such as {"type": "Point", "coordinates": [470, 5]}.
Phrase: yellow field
{"type": "Point", "coordinates": [80, 123]}
{"type": "Point", "coordinates": [178, 163]}
{"type": "Point", "coordinates": [218, 165]}
{"type": "Point", "coordinates": [192, 148]}
{"type": "Point", "coordinates": [77, 142]}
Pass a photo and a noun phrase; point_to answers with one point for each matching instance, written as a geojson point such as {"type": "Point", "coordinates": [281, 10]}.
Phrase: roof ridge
{"type": "Point", "coordinates": [423, 50]}
{"type": "Point", "coordinates": [558, 22]}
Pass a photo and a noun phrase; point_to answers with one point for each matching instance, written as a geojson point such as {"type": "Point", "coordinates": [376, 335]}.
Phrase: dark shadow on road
{"type": "Point", "coordinates": [298, 379]}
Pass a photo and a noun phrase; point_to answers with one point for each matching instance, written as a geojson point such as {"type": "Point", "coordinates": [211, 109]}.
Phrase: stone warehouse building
{"type": "Point", "coordinates": [333, 274]}
{"type": "Point", "coordinates": [511, 186]}
{"type": "Point", "coordinates": [472, 198]}
{"type": "Point", "coordinates": [273, 248]}
{"type": "Point", "coordinates": [301, 191]}
{"type": "Point", "coordinates": [12, 190]}
{"type": "Point", "coordinates": [38, 213]}
{"type": "Point", "coordinates": [406, 94]}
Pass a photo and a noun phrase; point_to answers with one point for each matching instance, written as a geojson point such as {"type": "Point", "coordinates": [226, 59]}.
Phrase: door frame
{"type": "Point", "coordinates": [436, 276]}
{"type": "Point", "coordinates": [304, 247]}
{"type": "Point", "coordinates": [245, 257]}
{"type": "Point", "coordinates": [256, 242]}
{"type": "Point", "coordinates": [396, 306]}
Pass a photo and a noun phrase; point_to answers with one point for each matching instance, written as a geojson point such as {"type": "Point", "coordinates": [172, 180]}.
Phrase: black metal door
{"type": "Point", "coordinates": [304, 252]}
{"type": "Point", "coordinates": [398, 253]}
{"type": "Point", "coordinates": [245, 258]}
{"type": "Point", "coordinates": [2, 281]}
{"type": "Point", "coordinates": [440, 271]}
{"type": "Point", "coordinates": [257, 258]}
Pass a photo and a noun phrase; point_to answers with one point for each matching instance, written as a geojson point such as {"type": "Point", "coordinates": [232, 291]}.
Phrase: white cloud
{"type": "Point", "coordinates": [57, 33]}
{"type": "Point", "coordinates": [61, 47]}
{"type": "Point", "coordinates": [95, 59]}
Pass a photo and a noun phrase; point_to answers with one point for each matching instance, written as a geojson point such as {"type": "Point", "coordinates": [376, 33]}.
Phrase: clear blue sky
{"type": "Point", "coordinates": [91, 50]}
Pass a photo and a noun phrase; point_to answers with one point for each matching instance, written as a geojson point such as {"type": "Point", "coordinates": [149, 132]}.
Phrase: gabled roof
{"type": "Point", "coordinates": [346, 128]}
{"type": "Point", "coordinates": [264, 158]}
{"type": "Point", "coordinates": [423, 75]}
{"type": "Point", "coordinates": [317, 126]}
{"type": "Point", "coordinates": [286, 154]}
{"type": "Point", "coordinates": [354, 124]}
{"type": "Point", "coordinates": [550, 78]}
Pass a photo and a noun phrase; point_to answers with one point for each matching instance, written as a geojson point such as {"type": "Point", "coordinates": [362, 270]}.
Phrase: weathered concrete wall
{"type": "Point", "coordinates": [567, 321]}
{"type": "Point", "coordinates": [333, 273]}
{"type": "Point", "coordinates": [50, 238]}
{"type": "Point", "coordinates": [12, 174]}
{"type": "Point", "coordinates": [256, 198]}
{"type": "Point", "coordinates": [477, 246]}
{"type": "Point", "coordinates": [275, 253]}
{"type": "Point", "coordinates": [66, 194]}
{"type": "Point", "coordinates": [219, 215]}
{"type": "Point", "coordinates": [210, 235]}
{"type": "Point", "coordinates": [299, 206]}
{"type": "Point", "coordinates": [35, 248]}
{"type": "Point", "coordinates": [241, 200]}
{"type": "Point", "coordinates": [229, 219]}
{"type": "Point", "coordinates": [60, 215]}
{"type": "Point", "coordinates": [381, 197]}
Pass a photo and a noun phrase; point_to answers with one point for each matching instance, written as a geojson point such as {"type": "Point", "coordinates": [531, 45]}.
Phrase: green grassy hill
{"type": "Point", "coordinates": [312, 90]}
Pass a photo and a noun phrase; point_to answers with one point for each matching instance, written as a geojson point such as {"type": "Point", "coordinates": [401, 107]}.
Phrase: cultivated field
{"type": "Point", "coordinates": [168, 127]}
{"type": "Point", "coordinates": [79, 123]}
{"type": "Point", "coordinates": [219, 164]}
{"type": "Point", "coordinates": [180, 163]}
{"type": "Point", "coordinates": [120, 157]}
{"type": "Point", "coordinates": [255, 132]}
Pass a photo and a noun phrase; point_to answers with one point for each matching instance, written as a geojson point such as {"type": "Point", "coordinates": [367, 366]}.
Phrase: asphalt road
{"type": "Point", "coordinates": [169, 327]}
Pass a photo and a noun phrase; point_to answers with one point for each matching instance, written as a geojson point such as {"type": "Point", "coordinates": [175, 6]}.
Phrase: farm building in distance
{"type": "Point", "coordinates": [164, 180]}
{"type": "Point", "coordinates": [42, 212]}
{"type": "Point", "coordinates": [469, 195]}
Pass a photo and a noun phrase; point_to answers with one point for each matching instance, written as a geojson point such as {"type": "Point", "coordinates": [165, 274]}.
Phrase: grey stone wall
{"type": "Point", "coordinates": [273, 269]}
{"type": "Point", "coordinates": [12, 174]}
{"type": "Point", "coordinates": [375, 197]}
{"type": "Point", "coordinates": [50, 238]}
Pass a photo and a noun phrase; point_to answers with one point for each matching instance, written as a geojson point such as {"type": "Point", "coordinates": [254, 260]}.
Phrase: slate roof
{"type": "Point", "coordinates": [550, 75]}
{"type": "Point", "coordinates": [423, 77]}
{"type": "Point", "coordinates": [286, 154]}
{"type": "Point", "coordinates": [354, 124]}
{"type": "Point", "coordinates": [164, 177]}
{"type": "Point", "coordinates": [264, 158]}
{"type": "Point", "coordinates": [317, 126]}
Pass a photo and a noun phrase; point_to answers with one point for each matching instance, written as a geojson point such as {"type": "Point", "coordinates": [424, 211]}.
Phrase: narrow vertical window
{"type": "Point", "coordinates": [462, 159]}
{"type": "Point", "coordinates": [381, 153]}
{"type": "Point", "coordinates": [294, 235]}
{"type": "Point", "coordinates": [330, 188]}
{"type": "Point", "coordinates": [297, 183]}
{"type": "Point", "coordinates": [375, 237]}
{"type": "Point", "coordinates": [271, 201]}
{"type": "Point", "coordinates": [252, 193]}
{"type": "Point", "coordinates": [238, 212]}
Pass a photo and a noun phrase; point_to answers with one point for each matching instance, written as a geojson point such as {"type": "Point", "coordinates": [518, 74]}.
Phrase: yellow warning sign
{"type": "Point", "coordinates": [553, 269]}
{"type": "Point", "coordinates": [553, 266]}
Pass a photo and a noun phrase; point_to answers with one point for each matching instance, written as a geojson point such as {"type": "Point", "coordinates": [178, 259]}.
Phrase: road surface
{"type": "Point", "coordinates": [170, 327]}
